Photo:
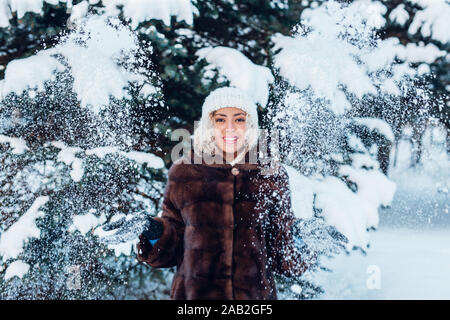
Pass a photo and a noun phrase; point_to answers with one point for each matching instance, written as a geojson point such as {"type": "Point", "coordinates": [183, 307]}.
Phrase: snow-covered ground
{"type": "Point", "coordinates": [409, 256]}
{"type": "Point", "coordinates": [401, 264]}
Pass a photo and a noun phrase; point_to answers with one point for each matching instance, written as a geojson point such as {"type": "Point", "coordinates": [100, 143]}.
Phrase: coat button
{"type": "Point", "coordinates": [235, 171]}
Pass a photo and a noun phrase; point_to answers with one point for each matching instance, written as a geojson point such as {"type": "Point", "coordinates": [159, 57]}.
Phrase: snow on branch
{"type": "Point", "coordinates": [67, 155]}
{"type": "Point", "coordinates": [18, 145]}
{"type": "Point", "coordinates": [376, 124]}
{"type": "Point", "coordinates": [136, 11]}
{"type": "Point", "coordinates": [29, 73]}
{"type": "Point", "coordinates": [13, 239]}
{"type": "Point", "coordinates": [94, 54]}
{"type": "Point", "coordinates": [432, 21]}
{"type": "Point", "coordinates": [149, 159]}
{"type": "Point", "coordinates": [336, 52]}
{"type": "Point", "coordinates": [17, 268]}
{"type": "Point", "coordinates": [240, 71]}
{"type": "Point", "coordinates": [352, 213]}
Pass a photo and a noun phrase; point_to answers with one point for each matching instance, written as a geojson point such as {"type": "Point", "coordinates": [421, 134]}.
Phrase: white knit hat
{"type": "Point", "coordinates": [221, 98]}
{"type": "Point", "coordinates": [230, 97]}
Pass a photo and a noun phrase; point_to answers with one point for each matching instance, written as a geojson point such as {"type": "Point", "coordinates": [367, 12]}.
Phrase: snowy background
{"type": "Point", "coordinates": [356, 92]}
{"type": "Point", "coordinates": [409, 254]}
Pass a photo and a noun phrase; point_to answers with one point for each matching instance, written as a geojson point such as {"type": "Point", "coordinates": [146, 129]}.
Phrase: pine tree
{"type": "Point", "coordinates": [115, 184]}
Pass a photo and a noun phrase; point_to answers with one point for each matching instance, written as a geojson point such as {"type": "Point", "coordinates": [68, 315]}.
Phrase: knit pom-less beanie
{"type": "Point", "coordinates": [229, 97]}
{"type": "Point", "coordinates": [222, 98]}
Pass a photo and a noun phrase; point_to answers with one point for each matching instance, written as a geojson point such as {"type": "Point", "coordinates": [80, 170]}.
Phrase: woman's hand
{"type": "Point", "coordinates": [129, 228]}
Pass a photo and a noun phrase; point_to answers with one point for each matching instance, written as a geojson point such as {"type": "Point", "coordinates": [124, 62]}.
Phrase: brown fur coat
{"type": "Point", "coordinates": [225, 231]}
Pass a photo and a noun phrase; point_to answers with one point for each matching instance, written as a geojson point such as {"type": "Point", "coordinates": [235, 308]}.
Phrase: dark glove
{"type": "Point", "coordinates": [299, 243]}
{"type": "Point", "coordinates": [127, 229]}
{"type": "Point", "coordinates": [154, 230]}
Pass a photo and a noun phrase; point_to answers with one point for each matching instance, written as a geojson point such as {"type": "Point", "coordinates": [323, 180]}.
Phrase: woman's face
{"type": "Point", "coordinates": [229, 128]}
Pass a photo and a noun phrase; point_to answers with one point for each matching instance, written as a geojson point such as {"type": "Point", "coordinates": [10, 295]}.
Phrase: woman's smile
{"type": "Point", "coordinates": [230, 140]}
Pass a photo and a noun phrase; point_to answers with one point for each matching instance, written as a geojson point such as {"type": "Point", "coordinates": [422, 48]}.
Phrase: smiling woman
{"type": "Point", "coordinates": [228, 126]}
{"type": "Point", "coordinates": [226, 226]}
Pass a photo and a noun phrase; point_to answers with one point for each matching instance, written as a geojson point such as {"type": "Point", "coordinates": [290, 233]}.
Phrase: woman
{"type": "Point", "coordinates": [225, 225]}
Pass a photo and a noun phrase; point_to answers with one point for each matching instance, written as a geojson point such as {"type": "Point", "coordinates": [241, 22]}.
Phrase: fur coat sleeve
{"type": "Point", "coordinates": [168, 250]}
